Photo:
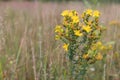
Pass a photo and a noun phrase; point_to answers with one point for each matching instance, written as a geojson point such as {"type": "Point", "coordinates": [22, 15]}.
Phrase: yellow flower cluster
{"type": "Point", "coordinates": [65, 13]}
{"type": "Point", "coordinates": [70, 16]}
{"type": "Point", "coordinates": [90, 12]}
{"type": "Point", "coordinates": [59, 31]}
{"type": "Point", "coordinates": [74, 25]}
{"type": "Point", "coordinates": [99, 46]}
{"type": "Point", "coordinates": [76, 30]}
{"type": "Point", "coordinates": [99, 56]}
{"type": "Point", "coordinates": [96, 14]}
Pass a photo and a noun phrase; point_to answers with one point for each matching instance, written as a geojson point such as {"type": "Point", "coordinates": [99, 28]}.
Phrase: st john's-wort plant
{"type": "Point", "coordinates": [81, 36]}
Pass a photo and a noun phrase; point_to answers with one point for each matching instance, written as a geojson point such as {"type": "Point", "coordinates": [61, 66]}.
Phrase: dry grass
{"type": "Point", "coordinates": [28, 50]}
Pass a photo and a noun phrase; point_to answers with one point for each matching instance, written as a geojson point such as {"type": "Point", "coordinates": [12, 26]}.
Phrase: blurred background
{"type": "Point", "coordinates": [28, 50]}
{"type": "Point", "coordinates": [65, 0]}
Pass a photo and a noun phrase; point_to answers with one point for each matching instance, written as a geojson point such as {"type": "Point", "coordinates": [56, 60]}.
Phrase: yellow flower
{"type": "Point", "coordinates": [65, 47]}
{"type": "Point", "coordinates": [85, 56]}
{"type": "Point", "coordinates": [77, 33]}
{"type": "Point", "coordinates": [99, 43]}
{"type": "Point", "coordinates": [65, 13]}
{"type": "Point", "coordinates": [57, 37]}
{"type": "Point", "coordinates": [87, 28]}
{"type": "Point", "coordinates": [75, 19]}
{"type": "Point", "coordinates": [110, 47]}
{"type": "Point", "coordinates": [96, 13]}
{"type": "Point", "coordinates": [93, 47]}
{"type": "Point", "coordinates": [75, 12]}
{"type": "Point", "coordinates": [70, 14]}
{"type": "Point", "coordinates": [103, 47]}
{"type": "Point", "coordinates": [89, 11]}
{"type": "Point", "coordinates": [99, 56]}
{"type": "Point", "coordinates": [58, 29]}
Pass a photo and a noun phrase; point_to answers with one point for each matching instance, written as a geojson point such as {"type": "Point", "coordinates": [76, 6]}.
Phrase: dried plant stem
{"type": "Point", "coordinates": [40, 53]}
{"type": "Point", "coordinates": [104, 73]}
{"type": "Point", "coordinates": [34, 62]}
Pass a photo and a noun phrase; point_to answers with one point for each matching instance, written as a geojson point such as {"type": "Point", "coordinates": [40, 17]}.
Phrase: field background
{"type": "Point", "coordinates": [28, 50]}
